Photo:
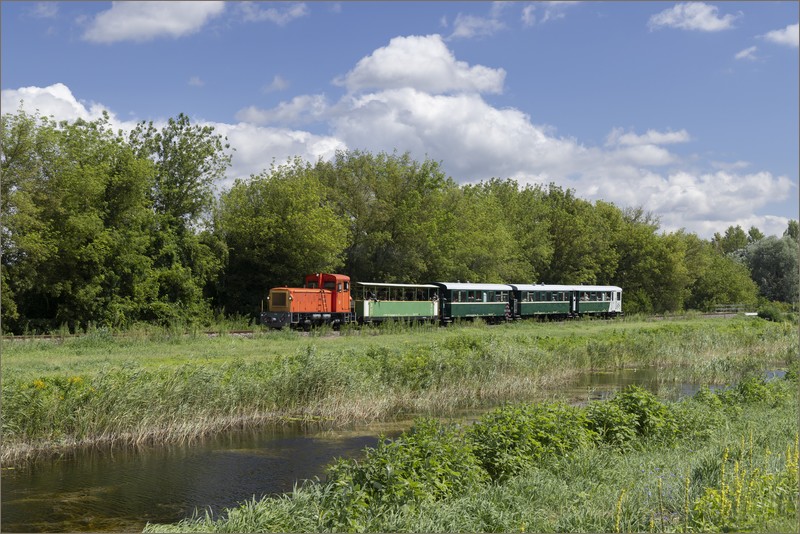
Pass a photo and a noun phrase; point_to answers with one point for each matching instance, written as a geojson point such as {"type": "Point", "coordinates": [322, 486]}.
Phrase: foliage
{"type": "Point", "coordinates": [112, 230]}
{"type": "Point", "coordinates": [278, 228]}
{"type": "Point", "coordinates": [774, 266]}
{"type": "Point", "coordinates": [431, 462]}
{"type": "Point", "coordinates": [512, 438]}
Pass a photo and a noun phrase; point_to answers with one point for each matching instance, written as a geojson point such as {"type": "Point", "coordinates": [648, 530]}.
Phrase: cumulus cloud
{"type": "Point", "coordinates": [692, 16]}
{"type": "Point", "coordinates": [145, 21]}
{"type": "Point", "coordinates": [300, 110]}
{"type": "Point", "coordinates": [422, 62]}
{"type": "Point", "coordinates": [789, 36]}
{"type": "Point", "coordinates": [56, 100]}
{"type": "Point", "coordinates": [443, 115]}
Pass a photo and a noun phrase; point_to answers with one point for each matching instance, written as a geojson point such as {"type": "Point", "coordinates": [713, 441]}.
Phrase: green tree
{"type": "Point", "coordinates": [716, 278]}
{"type": "Point", "coordinates": [754, 234]}
{"type": "Point", "coordinates": [278, 227]}
{"type": "Point", "coordinates": [76, 224]}
{"type": "Point", "coordinates": [773, 265]}
{"type": "Point", "coordinates": [583, 252]}
{"type": "Point", "coordinates": [734, 239]}
{"type": "Point", "coordinates": [524, 213]}
{"type": "Point", "coordinates": [188, 159]}
{"type": "Point", "coordinates": [393, 206]}
{"type": "Point", "coordinates": [651, 268]}
{"type": "Point", "coordinates": [792, 230]}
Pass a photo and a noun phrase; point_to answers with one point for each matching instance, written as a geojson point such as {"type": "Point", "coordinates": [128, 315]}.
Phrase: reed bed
{"type": "Point", "coordinates": [166, 386]}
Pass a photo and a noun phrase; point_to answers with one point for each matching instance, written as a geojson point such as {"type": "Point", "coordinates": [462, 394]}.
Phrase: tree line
{"type": "Point", "coordinates": [114, 228]}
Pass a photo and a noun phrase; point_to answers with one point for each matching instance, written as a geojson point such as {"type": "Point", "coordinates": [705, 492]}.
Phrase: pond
{"type": "Point", "coordinates": [122, 489]}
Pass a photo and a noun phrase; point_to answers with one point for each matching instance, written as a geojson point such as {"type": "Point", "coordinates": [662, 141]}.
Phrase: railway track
{"type": "Point", "coordinates": [250, 333]}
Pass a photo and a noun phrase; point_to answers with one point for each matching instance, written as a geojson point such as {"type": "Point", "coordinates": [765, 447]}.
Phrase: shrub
{"type": "Point", "coordinates": [611, 424]}
{"type": "Point", "coordinates": [512, 438]}
{"type": "Point", "coordinates": [653, 419]}
{"type": "Point", "coordinates": [431, 462]}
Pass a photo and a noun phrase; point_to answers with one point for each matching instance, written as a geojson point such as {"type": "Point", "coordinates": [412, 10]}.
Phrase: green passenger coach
{"type": "Point", "coordinates": [377, 302]}
{"type": "Point", "coordinates": [467, 301]}
{"type": "Point", "coordinates": [532, 300]}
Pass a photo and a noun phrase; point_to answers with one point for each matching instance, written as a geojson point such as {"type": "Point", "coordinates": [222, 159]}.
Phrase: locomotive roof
{"type": "Point", "coordinates": [467, 286]}
{"type": "Point", "coordinates": [385, 284]}
{"type": "Point", "coordinates": [556, 287]}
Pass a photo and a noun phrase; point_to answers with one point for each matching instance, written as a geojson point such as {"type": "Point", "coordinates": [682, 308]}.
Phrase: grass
{"type": "Point", "coordinates": [717, 462]}
{"type": "Point", "coordinates": [151, 386]}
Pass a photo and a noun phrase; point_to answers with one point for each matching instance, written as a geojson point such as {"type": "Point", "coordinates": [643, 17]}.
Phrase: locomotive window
{"type": "Point", "coordinates": [329, 285]}
{"type": "Point", "coordinates": [311, 285]}
{"type": "Point", "coordinates": [339, 287]}
{"type": "Point", "coordinates": [347, 286]}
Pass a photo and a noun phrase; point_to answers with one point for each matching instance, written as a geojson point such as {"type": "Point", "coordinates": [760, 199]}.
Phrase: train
{"type": "Point", "coordinates": [330, 299]}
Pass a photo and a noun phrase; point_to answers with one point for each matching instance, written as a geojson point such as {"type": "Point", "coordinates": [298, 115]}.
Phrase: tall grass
{"type": "Point", "coordinates": [723, 461]}
{"type": "Point", "coordinates": [161, 386]}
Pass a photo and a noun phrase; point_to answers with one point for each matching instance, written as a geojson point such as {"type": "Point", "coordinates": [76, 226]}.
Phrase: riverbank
{"type": "Point", "coordinates": [157, 388]}
{"type": "Point", "coordinates": [719, 461]}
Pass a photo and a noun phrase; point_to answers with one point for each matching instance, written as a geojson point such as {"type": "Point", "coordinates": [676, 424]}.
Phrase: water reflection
{"type": "Point", "coordinates": [122, 490]}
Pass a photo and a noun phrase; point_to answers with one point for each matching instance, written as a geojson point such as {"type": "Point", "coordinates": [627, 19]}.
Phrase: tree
{"type": "Point", "coordinates": [754, 234]}
{"type": "Point", "coordinates": [734, 239]}
{"type": "Point", "coordinates": [76, 224]}
{"type": "Point", "coordinates": [393, 209]}
{"type": "Point", "coordinates": [524, 213]}
{"type": "Point", "coordinates": [773, 265]}
{"type": "Point", "coordinates": [716, 278]}
{"type": "Point", "coordinates": [278, 227]}
{"type": "Point", "coordinates": [187, 160]}
{"type": "Point", "coordinates": [793, 230]}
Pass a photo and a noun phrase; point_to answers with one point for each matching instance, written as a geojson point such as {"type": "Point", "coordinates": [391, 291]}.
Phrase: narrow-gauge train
{"type": "Point", "coordinates": [330, 299]}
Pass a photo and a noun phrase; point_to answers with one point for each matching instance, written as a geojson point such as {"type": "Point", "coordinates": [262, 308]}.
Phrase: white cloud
{"type": "Point", "coordinates": [422, 62]}
{"type": "Point", "coordinates": [692, 16]}
{"type": "Point", "coordinates": [56, 100]}
{"type": "Point", "coordinates": [748, 54]}
{"type": "Point", "coordinates": [302, 109]}
{"type": "Point", "coordinates": [145, 21]}
{"type": "Point", "coordinates": [469, 26]}
{"type": "Point", "coordinates": [789, 36]}
{"type": "Point", "coordinates": [196, 81]}
{"type": "Point", "coordinates": [651, 137]}
{"type": "Point", "coordinates": [447, 119]}
{"type": "Point", "coordinates": [252, 12]}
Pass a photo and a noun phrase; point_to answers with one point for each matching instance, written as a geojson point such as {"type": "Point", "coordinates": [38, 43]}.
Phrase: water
{"type": "Point", "coordinates": [124, 489]}
{"type": "Point", "coordinates": [121, 490]}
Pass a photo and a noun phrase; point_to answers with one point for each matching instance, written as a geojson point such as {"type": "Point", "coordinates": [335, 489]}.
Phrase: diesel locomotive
{"type": "Point", "coordinates": [329, 299]}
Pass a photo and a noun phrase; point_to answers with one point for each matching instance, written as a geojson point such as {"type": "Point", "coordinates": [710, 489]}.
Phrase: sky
{"type": "Point", "coordinates": [687, 110]}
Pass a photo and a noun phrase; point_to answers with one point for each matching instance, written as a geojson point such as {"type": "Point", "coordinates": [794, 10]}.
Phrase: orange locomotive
{"type": "Point", "coordinates": [323, 299]}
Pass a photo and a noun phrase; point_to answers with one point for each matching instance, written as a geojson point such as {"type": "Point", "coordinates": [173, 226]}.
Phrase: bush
{"type": "Point", "coordinates": [653, 419]}
{"type": "Point", "coordinates": [611, 424]}
{"type": "Point", "coordinates": [511, 438]}
{"type": "Point", "coordinates": [431, 462]}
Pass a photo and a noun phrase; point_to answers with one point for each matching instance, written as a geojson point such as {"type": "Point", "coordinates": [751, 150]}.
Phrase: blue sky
{"type": "Point", "coordinates": [689, 110]}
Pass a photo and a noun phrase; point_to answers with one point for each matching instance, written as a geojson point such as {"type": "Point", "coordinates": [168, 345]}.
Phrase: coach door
{"type": "Point", "coordinates": [573, 302]}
